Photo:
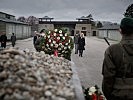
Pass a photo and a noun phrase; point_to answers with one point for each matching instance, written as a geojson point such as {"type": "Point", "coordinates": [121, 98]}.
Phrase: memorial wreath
{"type": "Point", "coordinates": [57, 42]}
{"type": "Point", "coordinates": [93, 93]}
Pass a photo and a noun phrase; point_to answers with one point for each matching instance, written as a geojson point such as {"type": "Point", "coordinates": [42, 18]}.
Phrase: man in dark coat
{"type": "Point", "coordinates": [118, 65]}
{"type": "Point", "coordinates": [81, 43]}
{"type": "Point", "coordinates": [3, 40]}
{"type": "Point", "coordinates": [13, 39]}
{"type": "Point", "coordinates": [76, 37]}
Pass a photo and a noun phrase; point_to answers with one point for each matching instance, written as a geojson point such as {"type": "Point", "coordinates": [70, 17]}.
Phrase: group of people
{"type": "Point", "coordinates": [3, 40]}
{"type": "Point", "coordinates": [79, 41]}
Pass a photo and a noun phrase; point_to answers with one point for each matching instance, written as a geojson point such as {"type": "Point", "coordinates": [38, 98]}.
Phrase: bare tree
{"type": "Point", "coordinates": [99, 24]}
{"type": "Point", "coordinates": [22, 19]}
{"type": "Point", "coordinates": [33, 22]}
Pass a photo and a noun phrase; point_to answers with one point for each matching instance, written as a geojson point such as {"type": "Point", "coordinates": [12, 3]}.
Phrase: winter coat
{"type": "Point", "coordinates": [117, 77]}
{"type": "Point", "coordinates": [3, 40]}
{"type": "Point", "coordinates": [13, 39]}
{"type": "Point", "coordinates": [76, 37]}
{"type": "Point", "coordinates": [81, 42]}
{"type": "Point", "coordinates": [34, 39]}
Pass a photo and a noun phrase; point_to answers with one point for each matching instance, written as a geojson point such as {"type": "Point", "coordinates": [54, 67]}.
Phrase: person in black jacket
{"type": "Point", "coordinates": [35, 37]}
{"type": "Point", "coordinates": [13, 39]}
{"type": "Point", "coordinates": [3, 40]}
{"type": "Point", "coordinates": [81, 43]}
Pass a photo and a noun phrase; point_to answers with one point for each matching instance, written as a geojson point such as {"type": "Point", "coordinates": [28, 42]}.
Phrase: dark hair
{"type": "Point", "coordinates": [43, 30]}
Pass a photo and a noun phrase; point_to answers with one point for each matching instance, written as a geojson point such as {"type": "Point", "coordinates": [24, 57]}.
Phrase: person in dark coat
{"type": "Point", "coordinates": [35, 37]}
{"type": "Point", "coordinates": [81, 43]}
{"type": "Point", "coordinates": [76, 37]}
{"type": "Point", "coordinates": [3, 40]}
{"type": "Point", "coordinates": [117, 68]}
{"type": "Point", "coordinates": [13, 39]}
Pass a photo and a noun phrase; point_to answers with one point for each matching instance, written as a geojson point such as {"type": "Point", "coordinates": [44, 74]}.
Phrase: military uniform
{"type": "Point", "coordinates": [118, 70]}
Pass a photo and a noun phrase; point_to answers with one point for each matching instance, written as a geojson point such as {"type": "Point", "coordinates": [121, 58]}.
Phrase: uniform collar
{"type": "Point", "coordinates": [127, 39]}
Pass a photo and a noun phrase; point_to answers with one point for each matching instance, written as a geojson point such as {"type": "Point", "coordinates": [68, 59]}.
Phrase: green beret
{"type": "Point", "coordinates": [126, 22]}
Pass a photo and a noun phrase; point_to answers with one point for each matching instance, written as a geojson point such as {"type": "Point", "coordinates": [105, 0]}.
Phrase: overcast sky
{"type": "Point", "coordinates": [101, 10]}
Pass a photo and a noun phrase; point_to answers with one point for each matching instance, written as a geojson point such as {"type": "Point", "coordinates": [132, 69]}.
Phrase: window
{"type": "Point", "coordinates": [83, 28]}
{"type": "Point", "coordinates": [7, 16]}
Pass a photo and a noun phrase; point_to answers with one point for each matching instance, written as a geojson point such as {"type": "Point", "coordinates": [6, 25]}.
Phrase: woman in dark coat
{"type": "Point", "coordinates": [81, 42]}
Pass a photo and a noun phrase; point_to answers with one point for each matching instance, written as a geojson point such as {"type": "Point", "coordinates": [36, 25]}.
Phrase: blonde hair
{"type": "Point", "coordinates": [82, 35]}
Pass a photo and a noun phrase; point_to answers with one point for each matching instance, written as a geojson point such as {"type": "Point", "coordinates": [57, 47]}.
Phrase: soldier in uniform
{"type": "Point", "coordinates": [118, 65]}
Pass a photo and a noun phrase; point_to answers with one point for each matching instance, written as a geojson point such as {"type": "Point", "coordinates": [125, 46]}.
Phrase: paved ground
{"type": "Point", "coordinates": [89, 66]}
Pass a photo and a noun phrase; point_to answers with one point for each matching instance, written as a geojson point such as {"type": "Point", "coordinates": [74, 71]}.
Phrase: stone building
{"type": "Point", "coordinates": [110, 31]}
{"type": "Point", "coordinates": [9, 25]}
{"type": "Point", "coordinates": [73, 27]}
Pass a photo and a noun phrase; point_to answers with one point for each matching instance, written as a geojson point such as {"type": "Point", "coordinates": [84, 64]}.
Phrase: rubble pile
{"type": "Point", "coordinates": [26, 75]}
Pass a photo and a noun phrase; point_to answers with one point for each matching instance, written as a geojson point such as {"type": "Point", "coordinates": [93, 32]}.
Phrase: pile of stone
{"type": "Point", "coordinates": [26, 75]}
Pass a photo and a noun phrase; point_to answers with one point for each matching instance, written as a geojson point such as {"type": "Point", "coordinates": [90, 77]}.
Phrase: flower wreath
{"type": "Point", "coordinates": [93, 93]}
{"type": "Point", "coordinates": [57, 42]}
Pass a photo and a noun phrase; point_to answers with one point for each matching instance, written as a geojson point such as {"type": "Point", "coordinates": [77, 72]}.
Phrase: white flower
{"type": "Point", "coordinates": [65, 48]}
{"type": "Point", "coordinates": [92, 89]}
{"type": "Point", "coordinates": [51, 45]}
{"type": "Point", "coordinates": [47, 45]}
{"type": "Point", "coordinates": [54, 42]}
{"type": "Point", "coordinates": [60, 31]}
{"type": "Point", "coordinates": [60, 43]}
{"type": "Point", "coordinates": [58, 38]}
{"type": "Point", "coordinates": [49, 32]}
{"type": "Point", "coordinates": [66, 51]}
{"type": "Point", "coordinates": [56, 30]}
{"type": "Point", "coordinates": [90, 93]}
{"type": "Point", "coordinates": [61, 34]}
{"type": "Point", "coordinates": [66, 44]}
{"type": "Point", "coordinates": [65, 34]}
{"type": "Point", "coordinates": [54, 34]}
{"type": "Point", "coordinates": [62, 46]}
{"type": "Point", "coordinates": [63, 37]}
{"type": "Point", "coordinates": [49, 48]}
{"type": "Point", "coordinates": [56, 45]}
{"type": "Point", "coordinates": [69, 41]}
{"type": "Point", "coordinates": [49, 40]}
{"type": "Point", "coordinates": [63, 51]}
{"type": "Point", "coordinates": [69, 47]}
{"type": "Point", "coordinates": [48, 36]}
{"type": "Point", "coordinates": [61, 55]}
{"type": "Point", "coordinates": [59, 48]}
